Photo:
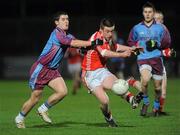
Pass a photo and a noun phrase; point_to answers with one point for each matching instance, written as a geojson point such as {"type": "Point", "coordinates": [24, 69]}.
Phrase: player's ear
{"type": "Point", "coordinates": [100, 30]}
{"type": "Point", "coordinates": [56, 22]}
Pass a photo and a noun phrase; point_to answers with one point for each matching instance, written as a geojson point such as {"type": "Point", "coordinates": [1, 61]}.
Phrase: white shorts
{"type": "Point", "coordinates": [148, 67]}
{"type": "Point", "coordinates": [164, 71]}
{"type": "Point", "coordinates": [73, 68]}
{"type": "Point", "coordinates": [96, 77]}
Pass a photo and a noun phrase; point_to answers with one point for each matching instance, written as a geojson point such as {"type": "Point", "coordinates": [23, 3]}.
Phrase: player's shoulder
{"type": "Point", "coordinates": [70, 35]}
{"type": "Point", "coordinates": [161, 26]}
{"type": "Point", "coordinates": [138, 25]}
{"type": "Point", "coordinates": [96, 35]}
{"type": "Point", "coordinates": [164, 26]}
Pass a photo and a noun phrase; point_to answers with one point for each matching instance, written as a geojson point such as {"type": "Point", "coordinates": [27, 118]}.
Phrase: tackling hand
{"type": "Point", "coordinates": [169, 52]}
{"type": "Point", "coordinates": [137, 50]}
{"type": "Point", "coordinates": [94, 43]}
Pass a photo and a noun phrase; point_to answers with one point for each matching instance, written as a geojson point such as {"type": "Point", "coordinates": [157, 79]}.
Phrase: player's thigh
{"type": "Point", "coordinates": [58, 85]}
{"type": "Point", "coordinates": [164, 81]}
{"type": "Point", "coordinates": [145, 75]}
{"type": "Point", "coordinates": [101, 95]}
{"type": "Point", "coordinates": [145, 72]}
{"type": "Point", "coordinates": [109, 81]}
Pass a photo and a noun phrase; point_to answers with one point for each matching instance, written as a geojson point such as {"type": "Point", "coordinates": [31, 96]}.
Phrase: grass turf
{"type": "Point", "coordinates": [80, 114]}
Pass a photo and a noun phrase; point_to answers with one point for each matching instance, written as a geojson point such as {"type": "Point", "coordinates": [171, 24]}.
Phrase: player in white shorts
{"type": "Point", "coordinates": [96, 76]}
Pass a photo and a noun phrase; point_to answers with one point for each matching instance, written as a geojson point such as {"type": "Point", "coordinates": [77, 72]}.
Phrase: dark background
{"type": "Point", "coordinates": [25, 25]}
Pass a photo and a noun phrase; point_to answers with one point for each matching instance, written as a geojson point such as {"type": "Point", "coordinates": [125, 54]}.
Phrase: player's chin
{"type": "Point", "coordinates": [148, 20]}
{"type": "Point", "coordinates": [108, 38]}
{"type": "Point", "coordinates": [66, 28]}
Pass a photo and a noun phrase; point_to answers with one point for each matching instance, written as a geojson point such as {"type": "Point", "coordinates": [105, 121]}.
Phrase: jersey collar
{"type": "Point", "coordinates": [154, 22]}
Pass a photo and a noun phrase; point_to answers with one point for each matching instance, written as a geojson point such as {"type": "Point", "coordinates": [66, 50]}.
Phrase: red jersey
{"type": "Point", "coordinates": [74, 56]}
{"type": "Point", "coordinates": [93, 59]}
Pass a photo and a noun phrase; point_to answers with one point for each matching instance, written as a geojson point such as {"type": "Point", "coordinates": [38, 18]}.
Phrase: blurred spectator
{"type": "Point", "coordinates": [74, 67]}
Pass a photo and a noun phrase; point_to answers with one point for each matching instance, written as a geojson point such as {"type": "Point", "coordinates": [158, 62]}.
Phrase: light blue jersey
{"type": "Point", "coordinates": [55, 48]}
{"type": "Point", "coordinates": [141, 33]}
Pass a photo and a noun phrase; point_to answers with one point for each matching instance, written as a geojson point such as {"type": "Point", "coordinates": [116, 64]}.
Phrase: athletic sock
{"type": "Point", "coordinates": [44, 107]}
{"type": "Point", "coordinates": [162, 100]}
{"type": "Point", "coordinates": [156, 105]}
{"type": "Point", "coordinates": [20, 117]}
{"type": "Point", "coordinates": [129, 97]}
{"type": "Point", "coordinates": [145, 99]}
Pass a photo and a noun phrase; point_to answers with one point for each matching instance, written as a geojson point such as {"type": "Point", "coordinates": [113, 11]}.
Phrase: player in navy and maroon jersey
{"type": "Point", "coordinates": [44, 71]}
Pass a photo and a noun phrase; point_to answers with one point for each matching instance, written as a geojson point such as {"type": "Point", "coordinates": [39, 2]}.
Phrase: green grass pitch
{"type": "Point", "coordinates": [80, 114]}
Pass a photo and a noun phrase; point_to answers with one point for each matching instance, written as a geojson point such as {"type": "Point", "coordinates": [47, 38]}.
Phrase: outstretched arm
{"type": "Point", "coordinates": [112, 54]}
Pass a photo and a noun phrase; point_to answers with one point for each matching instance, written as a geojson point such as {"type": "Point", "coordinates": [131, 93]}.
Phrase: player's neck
{"type": "Point", "coordinates": [61, 29]}
{"type": "Point", "coordinates": [148, 23]}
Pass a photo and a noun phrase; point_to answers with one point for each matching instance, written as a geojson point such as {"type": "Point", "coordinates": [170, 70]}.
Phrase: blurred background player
{"type": "Point", "coordinates": [45, 70]}
{"type": "Point", "coordinates": [117, 65]}
{"type": "Point", "coordinates": [74, 67]}
{"type": "Point", "coordinates": [153, 37]}
{"type": "Point", "coordinates": [96, 76]}
{"type": "Point", "coordinates": [159, 17]}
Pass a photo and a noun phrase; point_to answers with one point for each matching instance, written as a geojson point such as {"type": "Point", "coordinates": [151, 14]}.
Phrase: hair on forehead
{"type": "Point", "coordinates": [106, 22]}
{"type": "Point", "coordinates": [159, 12]}
{"type": "Point", "coordinates": [58, 14]}
{"type": "Point", "coordinates": [149, 5]}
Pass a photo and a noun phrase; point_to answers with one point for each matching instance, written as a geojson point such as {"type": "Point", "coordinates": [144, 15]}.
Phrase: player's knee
{"type": "Point", "coordinates": [62, 93]}
{"type": "Point", "coordinates": [163, 95]}
{"type": "Point", "coordinates": [35, 96]}
{"type": "Point", "coordinates": [35, 99]}
{"type": "Point", "coordinates": [105, 101]}
{"type": "Point", "coordinates": [144, 82]}
{"type": "Point", "coordinates": [145, 79]}
{"type": "Point", "coordinates": [157, 86]}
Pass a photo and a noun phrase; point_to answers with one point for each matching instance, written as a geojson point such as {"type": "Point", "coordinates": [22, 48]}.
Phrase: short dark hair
{"type": "Point", "coordinates": [58, 14]}
{"type": "Point", "coordinates": [149, 5]}
{"type": "Point", "coordinates": [106, 22]}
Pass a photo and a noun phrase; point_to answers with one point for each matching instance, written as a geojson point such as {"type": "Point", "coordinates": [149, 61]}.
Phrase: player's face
{"type": "Point", "coordinates": [148, 14]}
{"type": "Point", "coordinates": [158, 17]}
{"type": "Point", "coordinates": [108, 32]}
{"type": "Point", "coordinates": [63, 22]}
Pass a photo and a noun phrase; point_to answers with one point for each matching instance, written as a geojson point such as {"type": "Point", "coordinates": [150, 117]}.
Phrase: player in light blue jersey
{"type": "Point", "coordinates": [45, 70]}
{"type": "Point", "coordinates": [153, 37]}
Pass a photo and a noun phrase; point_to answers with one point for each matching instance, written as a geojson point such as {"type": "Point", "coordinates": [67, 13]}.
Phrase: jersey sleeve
{"type": "Point", "coordinates": [101, 48]}
{"type": "Point", "coordinates": [132, 39]}
{"type": "Point", "coordinates": [166, 39]}
{"type": "Point", "coordinates": [63, 38]}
